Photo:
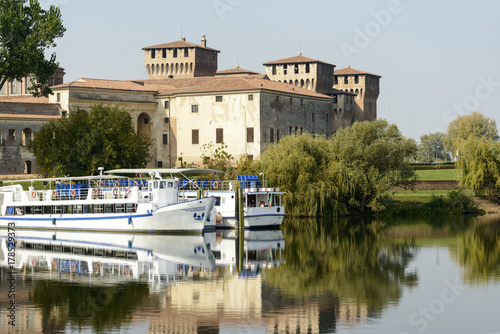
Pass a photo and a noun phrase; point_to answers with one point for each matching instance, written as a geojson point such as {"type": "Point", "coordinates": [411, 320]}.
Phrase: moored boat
{"type": "Point", "coordinates": [262, 206]}
{"type": "Point", "coordinates": [103, 203]}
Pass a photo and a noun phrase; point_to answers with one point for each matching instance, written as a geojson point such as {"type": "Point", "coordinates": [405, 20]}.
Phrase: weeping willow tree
{"type": "Point", "coordinates": [479, 160]}
{"type": "Point", "coordinates": [376, 156]}
{"type": "Point", "coordinates": [305, 169]}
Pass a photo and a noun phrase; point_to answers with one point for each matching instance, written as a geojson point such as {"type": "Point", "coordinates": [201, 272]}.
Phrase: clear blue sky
{"type": "Point", "coordinates": [437, 59]}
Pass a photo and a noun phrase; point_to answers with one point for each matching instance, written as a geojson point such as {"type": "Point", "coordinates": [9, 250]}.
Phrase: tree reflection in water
{"type": "Point", "coordinates": [479, 251]}
{"type": "Point", "coordinates": [346, 258]}
{"type": "Point", "coordinates": [100, 307]}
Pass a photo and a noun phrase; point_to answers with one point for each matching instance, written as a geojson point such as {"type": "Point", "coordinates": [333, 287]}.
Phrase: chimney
{"type": "Point", "coordinates": [183, 39]}
{"type": "Point", "coordinates": [203, 41]}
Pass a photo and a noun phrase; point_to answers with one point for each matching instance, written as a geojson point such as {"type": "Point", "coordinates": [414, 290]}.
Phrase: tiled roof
{"type": "Point", "coordinates": [226, 84]}
{"type": "Point", "coordinates": [29, 116]}
{"type": "Point", "coordinates": [353, 71]}
{"type": "Point", "coordinates": [24, 99]}
{"type": "Point", "coordinates": [235, 71]}
{"type": "Point", "coordinates": [177, 44]}
{"type": "Point", "coordinates": [297, 59]}
{"type": "Point", "coordinates": [104, 84]}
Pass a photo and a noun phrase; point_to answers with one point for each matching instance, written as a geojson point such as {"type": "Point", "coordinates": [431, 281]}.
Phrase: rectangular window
{"type": "Point", "coordinates": [307, 68]}
{"type": "Point", "coordinates": [164, 53]}
{"type": "Point", "coordinates": [58, 97]}
{"type": "Point", "coordinates": [336, 80]}
{"type": "Point", "coordinates": [165, 139]}
{"type": "Point", "coordinates": [175, 53]}
{"type": "Point", "coordinates": [195, 139]}
{"type": "Point", "coordinates": [346, 80]}
{"type": "Point", "coordinates": [194, 108]}
{"type": "Point", "coordinates": [250, 135]}
{"type": "Point", "coordinates": [296, 69]}
{"type": "Point", "coordinates": [160, 164]}
{"type": "Point", "coordinates": [146, 120]}
{"type": "Point", "coordinates": [271, 135]}
{"type": "Point", "coordinates": [284, 69]}
{"type": "Point", "coordinates": [250, 97]}
{"type": "Point", "coordinates": [219, 136]}
{"type": "Point", "coordinates": [167, 120]}
{"type": "Point", "coordinates": [167, 104]}
{"type": "Point", "coordinates": [218, 98]}
{"type": "Point", "coordinates": [153, 54]}
{"type": "Point", "coordinates": [274, 69]}
{"type": "Point", "coordinates": [356, 79]}
{"type": "Point", "coordinates": [186, 52]}
{"type": "Point", "coordinates": [312, 117]}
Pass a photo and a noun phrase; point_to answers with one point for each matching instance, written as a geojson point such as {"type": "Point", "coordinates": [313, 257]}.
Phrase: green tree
{"type": "Point", "coordinates": [26, 32]}
{"type": "Point", "coordinates": [464, 127]}
{"type": "Point", "coordinates": [479, 160]}
{"type": "Point", "coordinates": [303, 167]}
{"type": "Point", "coordinates": [216, 157]}
{"type": "Point", "coordinates": [376, 156]}
{"type": "Point", "coordinates": [83, 142]}
{"type": "Point", "coordinates": [431, 148]}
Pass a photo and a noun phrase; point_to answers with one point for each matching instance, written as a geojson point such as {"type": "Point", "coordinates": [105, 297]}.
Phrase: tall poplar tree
{"type": "Point", "coordinates": [26, 32]}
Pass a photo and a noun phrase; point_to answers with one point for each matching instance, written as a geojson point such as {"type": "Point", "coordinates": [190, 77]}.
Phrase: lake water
{"type": "Point", "coordinates": [341, 276]}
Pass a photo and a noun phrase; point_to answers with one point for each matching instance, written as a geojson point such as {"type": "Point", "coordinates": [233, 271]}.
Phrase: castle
{"type": "Point", "coordinates": [186, 102]}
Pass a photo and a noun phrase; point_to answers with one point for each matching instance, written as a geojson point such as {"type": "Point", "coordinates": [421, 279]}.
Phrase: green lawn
{"type": "Point", "coordinates": [438, 174]}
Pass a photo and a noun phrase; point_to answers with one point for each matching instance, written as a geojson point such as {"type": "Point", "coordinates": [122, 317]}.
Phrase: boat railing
{"type": "Point", "coordinates": [218, 185]}
{"type": "Point", "coordinates": [142, 193]}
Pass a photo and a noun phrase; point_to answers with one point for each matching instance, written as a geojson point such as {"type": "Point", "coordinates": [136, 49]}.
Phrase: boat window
{"type": "Point", "coordinates": [170, 184]}
{"type": "Point", "coordinates": [108, 208]}
{"type": "Point", "coordinates": [57, 209]}
{"type": "Point", "coordinates": [86, 208]}
{"type": "Point", "coordinates": [252, 201]}
{"type": "Point", "coordinates": [19, 210]}
{"type": "Point", "coordinates": [38, 210]}
{"type": "Point", "coordinates": [155, 185]}
{"type": "Point", "coordinates": [28, 210]}
{"type": "Point", "coordinates": [131, 207]}
{"type": "Point", "coordinates": [163, 184]}
{"type": "Point", "coordinates": [67, 208]}
{"type": "Point", "coordinates": [120, 208]}
{"type": "Point", "coordinates": [98, 208]}
{"type": "Point", "coordinates": [77, 209]}
{"type": "Point", "coordinates": [47, 210]}
{"type": "Point", "coordinates": [217, 201]}
{"type": "Point", "coordinates": [10, 210]}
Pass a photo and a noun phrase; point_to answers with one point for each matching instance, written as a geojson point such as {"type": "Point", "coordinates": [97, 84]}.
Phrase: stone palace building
{"type": "Point", "coordinates": [186, 102]}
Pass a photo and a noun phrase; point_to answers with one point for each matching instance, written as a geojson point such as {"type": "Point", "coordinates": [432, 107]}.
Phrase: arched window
{"type": "Point", "coordinates": [144, 125]}
{"type": "Point", "coordinates": [27, 137]}
{"type": "Point", "coordinates": [302, 83]}
{"type": "Point", "coordinates": [27, 167]}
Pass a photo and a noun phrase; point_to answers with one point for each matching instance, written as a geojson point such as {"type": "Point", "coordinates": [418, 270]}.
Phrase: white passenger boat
{"type": "Point", "coordinates": [103, 203]}
{"type": "Point", "coordinates": [262, 206]}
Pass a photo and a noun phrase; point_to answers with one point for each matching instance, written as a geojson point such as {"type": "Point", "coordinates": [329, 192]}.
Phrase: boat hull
{"type": "Point", "coordinates": [179, 217]}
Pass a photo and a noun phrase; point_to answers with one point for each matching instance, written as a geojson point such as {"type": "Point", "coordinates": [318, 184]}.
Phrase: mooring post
{"type": "Point", "coordinates": [241, 227]}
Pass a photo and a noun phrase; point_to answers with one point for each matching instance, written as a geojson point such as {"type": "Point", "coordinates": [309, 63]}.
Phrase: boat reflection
{"type": "Point", "coordinates": [107, 257]}
{"type": "Point", "coordinates": [261, 249]}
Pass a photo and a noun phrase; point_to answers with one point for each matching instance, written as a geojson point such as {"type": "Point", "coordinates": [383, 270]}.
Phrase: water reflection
{"type": "Point", "coordinates": [479, 251]}
{"type": "Point", "coordinates": [311, 276]}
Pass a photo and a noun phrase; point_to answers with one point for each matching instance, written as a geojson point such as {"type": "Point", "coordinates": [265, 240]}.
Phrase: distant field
{"type": "Point", "coordinates": [438, 174]}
